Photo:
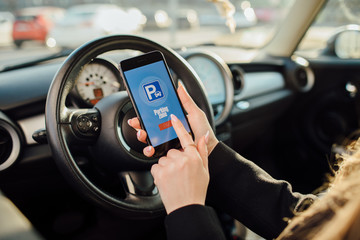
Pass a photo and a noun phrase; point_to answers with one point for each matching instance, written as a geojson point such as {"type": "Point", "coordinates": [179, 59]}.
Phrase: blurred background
{"type": "Point", "coordinates": [32, 28]}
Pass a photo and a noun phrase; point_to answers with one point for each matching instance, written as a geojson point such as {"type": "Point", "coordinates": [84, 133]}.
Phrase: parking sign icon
{"type": "Point", "coordinates": [153, 91]}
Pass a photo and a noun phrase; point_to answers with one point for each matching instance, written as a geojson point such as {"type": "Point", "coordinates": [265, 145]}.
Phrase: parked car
{"type": "Point", "coordinates": [156, 19]}
{"type": "Point", "coordinates": [242, 18]}
{"type": "Point", "coordinates": [160, 19]}
{"type": "Point", "coordinates": [187, 18]}
{"type": "Point", "coordinates": [33, 24]}
{"type": "Point", "coordinates": [6, 26]}
{"type": "Point", "coordinates": [88, 21]}
{"type": "Point", "coordinates": [285, 105]}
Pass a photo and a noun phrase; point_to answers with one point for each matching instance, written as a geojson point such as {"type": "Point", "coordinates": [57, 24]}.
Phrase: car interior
{"type": "Point", "coordinates": [72, 168]}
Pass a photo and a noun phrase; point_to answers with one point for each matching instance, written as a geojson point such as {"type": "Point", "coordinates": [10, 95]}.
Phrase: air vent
{"type": "Point", "coordinates": [304, 78]}
{"type": "Point", "coordinates": [6, 145]}
{"type": "Point", "coordinates": [301, 77]}
{"type": "Point", "coordinates": [238, 78]}
{"type": "Point", "coordinates": [9, 143]}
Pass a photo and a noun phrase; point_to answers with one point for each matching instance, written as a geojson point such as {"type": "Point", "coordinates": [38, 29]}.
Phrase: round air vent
{"type": "Point", "coordinates": [302, 75]}
{"type": "Point", "coordinates": [304, 79]}
{"type": "Point", "coordinates": [238, 78]}
{"type": "Point", "coordinates": [9, 143]}
{"type": "Point", "coordinates": [5, 145]}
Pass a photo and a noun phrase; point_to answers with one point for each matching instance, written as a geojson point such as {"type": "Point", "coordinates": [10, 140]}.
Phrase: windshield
{"type": "Point", "coordinates": [175, 23]}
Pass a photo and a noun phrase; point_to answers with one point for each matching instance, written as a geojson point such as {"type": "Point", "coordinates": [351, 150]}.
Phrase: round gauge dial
{"type": "Point", "coordinates": [98, 79]}
{"type": "Point", "coordinates": [211, 76]}
{"type": "Point", "coordinates": [217, 79]}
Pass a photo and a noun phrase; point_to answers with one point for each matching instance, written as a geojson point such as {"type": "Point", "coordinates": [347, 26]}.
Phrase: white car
{"type": "Point", "coordinates": [83, 23]}
{"type": "Point", "coordinates": [6, 26]}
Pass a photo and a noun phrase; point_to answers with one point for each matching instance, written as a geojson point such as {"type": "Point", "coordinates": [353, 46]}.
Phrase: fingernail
{"type": "Point", "coordinates": [129, 122]}
{"type": "Point", "coordinates": [173, 117]}
{"type": "Point", "coordinates": [207, 137]}
{"type": "Point", "coordinates": [148, 149]}
{"type": "Point", "coordinates": [138, 134]}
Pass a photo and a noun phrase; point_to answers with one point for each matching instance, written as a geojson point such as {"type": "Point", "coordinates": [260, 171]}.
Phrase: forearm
{"type": "Point", "coordinates": [250, 195]}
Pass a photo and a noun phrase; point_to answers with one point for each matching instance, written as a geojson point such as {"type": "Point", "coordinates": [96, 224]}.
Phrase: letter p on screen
{"type": "Point", "coordinates": [153, 91]}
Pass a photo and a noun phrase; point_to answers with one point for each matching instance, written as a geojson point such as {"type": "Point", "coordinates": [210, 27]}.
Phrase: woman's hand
{"type": "Point", "coordinates": [197, 119]}
{"type": "Point", "coordinates": [182, 176]}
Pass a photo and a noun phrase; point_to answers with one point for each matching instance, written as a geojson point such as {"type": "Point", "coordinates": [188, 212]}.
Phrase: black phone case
{"type": "Point", "coordinates": [143, 60]}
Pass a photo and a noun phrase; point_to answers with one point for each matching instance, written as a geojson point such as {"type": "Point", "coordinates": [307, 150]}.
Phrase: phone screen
{"type": "Point", "coordinates": [155, 98]}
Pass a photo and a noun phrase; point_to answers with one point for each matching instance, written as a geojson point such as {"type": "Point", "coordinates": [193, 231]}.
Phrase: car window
{"type": "Point", "coordinates": [25, 18]}
{"type": "Point", "coordinates": [333, 18]}
{"type": "Point", "coordinates": [174, 23]}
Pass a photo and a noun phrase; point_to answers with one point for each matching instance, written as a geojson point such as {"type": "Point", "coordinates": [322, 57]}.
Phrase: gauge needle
{"type": "Point", "coordinates": [88, 83]}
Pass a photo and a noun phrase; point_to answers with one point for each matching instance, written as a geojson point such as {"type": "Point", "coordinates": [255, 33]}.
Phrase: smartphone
{"type": "Point", "coordinates": [154, 97]}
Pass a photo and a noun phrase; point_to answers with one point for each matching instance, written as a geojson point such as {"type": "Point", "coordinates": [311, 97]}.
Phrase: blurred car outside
{"type": "Point", "coordinates": [240, 18]}
{"type": "Point", "coordinates": [85, 22]}
{"type": "Point", "coordinates": [187, 18]}
{"type": "Point", "coordinates": [33, 24]}
{"type": "Point", "coordinates": [244, 17]}
{"type": "Point", "coordinates": [158, 19]}
{"type": "Point", "coordinates": [6, 26]}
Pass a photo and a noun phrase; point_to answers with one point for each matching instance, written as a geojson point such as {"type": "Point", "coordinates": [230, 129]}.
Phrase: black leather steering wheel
{"type": "Point", "coordinates": [84, 141]}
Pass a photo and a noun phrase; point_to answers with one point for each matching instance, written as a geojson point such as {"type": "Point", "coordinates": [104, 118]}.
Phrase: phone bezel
{"type": "Point", "coordinates": [139, 61]}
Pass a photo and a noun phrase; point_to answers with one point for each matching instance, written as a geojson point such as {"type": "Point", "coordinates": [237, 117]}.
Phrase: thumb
{"type": "Point", "coordinates": [203, 151]}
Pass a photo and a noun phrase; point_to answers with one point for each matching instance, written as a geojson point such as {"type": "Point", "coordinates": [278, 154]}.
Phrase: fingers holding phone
{"type": "Point", "coordinates": [196, 117]}
{"type": "Point", "coordinates": [182, 176]}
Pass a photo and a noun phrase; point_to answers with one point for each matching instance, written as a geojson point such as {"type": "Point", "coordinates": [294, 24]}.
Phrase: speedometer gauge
{"type": "Point", "coordinates": [211, 76]}
{"type": "Point", "coordinates": [217, 79]}
{"type": "Point", "coordinates": [98, 79]}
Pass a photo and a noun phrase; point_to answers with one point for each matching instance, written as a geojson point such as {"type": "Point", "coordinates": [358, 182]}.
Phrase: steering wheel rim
{"type": "Point", "coordinates": [60, 125]}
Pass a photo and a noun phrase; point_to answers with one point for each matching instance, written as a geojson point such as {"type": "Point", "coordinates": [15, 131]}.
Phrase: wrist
{"type": "Point", "coordinates": [169, 210]}
{"type": "Point", "coordinates": [211, 145]}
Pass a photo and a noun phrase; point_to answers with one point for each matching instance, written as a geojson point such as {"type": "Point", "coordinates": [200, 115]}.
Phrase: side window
{"type": "Point", "coordinates": [336, 31]}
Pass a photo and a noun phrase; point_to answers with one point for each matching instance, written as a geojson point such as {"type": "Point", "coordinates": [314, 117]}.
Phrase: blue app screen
{"type": "Point", "coordinates": [156, 99]}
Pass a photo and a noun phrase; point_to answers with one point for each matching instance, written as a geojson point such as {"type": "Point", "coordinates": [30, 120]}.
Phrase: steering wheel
{"type": "Point", "coordinates": [94, 148]}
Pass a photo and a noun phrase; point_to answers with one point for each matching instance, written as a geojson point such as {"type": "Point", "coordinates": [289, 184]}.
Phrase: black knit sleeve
{"type": "Point", "coordinates": [249, 194]}
{"type": "Point", "coordinates": [193, 222]}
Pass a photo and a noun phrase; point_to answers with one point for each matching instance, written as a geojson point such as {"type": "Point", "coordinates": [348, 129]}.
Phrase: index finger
{"type": "Point", "coordinates": [188, 103]}
{"type": "Point", "coordinates": [183, 135]}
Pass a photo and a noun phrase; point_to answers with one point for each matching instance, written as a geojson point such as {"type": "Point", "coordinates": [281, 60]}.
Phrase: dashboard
{"type": "Point", "coordinates": [225, 85]}
{"type": "Point", "coordinates": [234, 91]}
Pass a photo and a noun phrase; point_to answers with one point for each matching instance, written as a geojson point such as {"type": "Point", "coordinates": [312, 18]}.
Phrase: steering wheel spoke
{"type": "Point", "coordinates": [81, 126]}
{"type": "Point", "coordinates": [86, 123]}
{"type": "Point", "coordinates": [140, 189]}
{"type": "Point", "coordinates": [138, 183]}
